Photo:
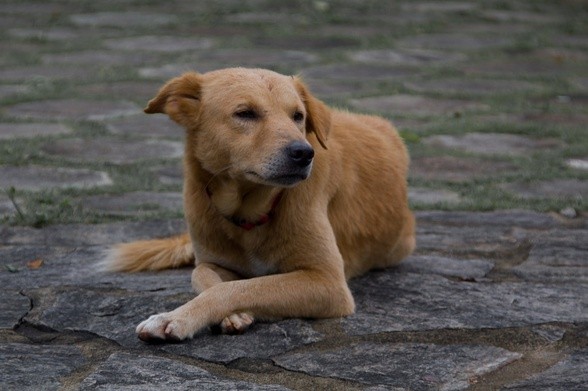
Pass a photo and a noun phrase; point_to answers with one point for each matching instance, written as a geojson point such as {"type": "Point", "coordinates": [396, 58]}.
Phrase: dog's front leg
{"type": "Point", "coordinates": [301, 293]}
{"type": "Point", "coordinates": [207, 275]}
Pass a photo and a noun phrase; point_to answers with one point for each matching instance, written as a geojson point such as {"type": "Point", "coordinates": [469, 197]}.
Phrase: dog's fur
{"type": "Point", "coordinates": [274, 233]}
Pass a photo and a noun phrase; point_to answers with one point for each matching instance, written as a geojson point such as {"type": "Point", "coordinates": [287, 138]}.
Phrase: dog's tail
{"type": "Point", "coordinates": [157, 254]}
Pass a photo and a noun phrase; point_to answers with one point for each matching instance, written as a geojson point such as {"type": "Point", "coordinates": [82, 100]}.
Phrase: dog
{"type": "Point", "coordinates": [285, 200]}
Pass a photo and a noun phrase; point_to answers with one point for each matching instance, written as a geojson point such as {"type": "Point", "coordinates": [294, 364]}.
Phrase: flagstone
{"type": "Point", "coordinates": [111, 150]}
{"type": "Point", "coordinates": [35, 178]}
{"type": "Point", "coordinates": [73, 109]}
{"type": "Point", "coordinates": [30, 130]}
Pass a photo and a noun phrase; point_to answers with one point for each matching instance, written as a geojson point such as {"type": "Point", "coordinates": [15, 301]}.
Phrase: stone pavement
{"type": "Point", "coordinates": [490, 97]}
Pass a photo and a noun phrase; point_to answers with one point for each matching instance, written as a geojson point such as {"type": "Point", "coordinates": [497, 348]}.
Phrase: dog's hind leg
{"type": "Point", "coordinates": [404, 246]}
{"type": "Point", "coordinates": [206, 275]}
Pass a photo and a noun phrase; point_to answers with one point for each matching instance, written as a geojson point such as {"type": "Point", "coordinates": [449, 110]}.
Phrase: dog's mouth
{"type": "Point", "coordinates": [282, 180]}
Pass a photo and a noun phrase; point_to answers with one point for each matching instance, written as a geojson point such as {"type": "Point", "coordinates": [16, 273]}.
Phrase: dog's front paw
{"type": "Point", "coordinates": [163, 327]}
{"type": "Point", "coordinates": [236, 323]}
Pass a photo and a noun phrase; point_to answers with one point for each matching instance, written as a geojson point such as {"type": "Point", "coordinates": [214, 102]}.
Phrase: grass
{"type": "Point", "coordinates": [308, 19]}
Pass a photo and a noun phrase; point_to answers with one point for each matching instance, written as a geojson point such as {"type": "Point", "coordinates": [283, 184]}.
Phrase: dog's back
{"type": "Point", "coordinates": [368, 164]}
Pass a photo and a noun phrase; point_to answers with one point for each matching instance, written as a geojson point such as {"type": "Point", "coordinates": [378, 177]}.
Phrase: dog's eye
{"type": "Point", "coordinates": [298, 116]}
{"type": "Point", "coordinates": [247, 114]}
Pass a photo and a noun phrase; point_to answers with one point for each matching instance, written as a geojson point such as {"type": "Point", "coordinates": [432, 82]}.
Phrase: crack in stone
{"type": "Point", "coordinates": [31, 306]}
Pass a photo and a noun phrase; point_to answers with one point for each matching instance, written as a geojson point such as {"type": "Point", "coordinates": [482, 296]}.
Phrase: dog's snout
{"type": "Point", "coordinates": [300, 153]}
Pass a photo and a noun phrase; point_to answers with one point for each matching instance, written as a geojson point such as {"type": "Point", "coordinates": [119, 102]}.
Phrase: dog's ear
{"type": "Point", "coordinates": [318, 115]}
{"type": "Point", "coordinates": [179, 98]}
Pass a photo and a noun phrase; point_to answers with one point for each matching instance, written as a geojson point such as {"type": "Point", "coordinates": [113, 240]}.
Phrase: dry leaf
{"type": "Point", "coordinates": [35, 264]}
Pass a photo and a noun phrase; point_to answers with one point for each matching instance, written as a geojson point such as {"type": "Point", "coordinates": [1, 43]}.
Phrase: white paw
{"type": "Point", "coordinates": [163, 327]}
{"type": "Point", "coordinates": [236, 323]}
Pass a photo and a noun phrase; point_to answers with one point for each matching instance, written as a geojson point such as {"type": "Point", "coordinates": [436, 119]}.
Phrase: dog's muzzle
{"type": "Point", "coordinates": [289, 166]}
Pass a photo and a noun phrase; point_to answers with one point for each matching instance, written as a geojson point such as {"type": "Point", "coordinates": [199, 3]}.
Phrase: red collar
{"type": "Point", "coordinates": [249, 225]}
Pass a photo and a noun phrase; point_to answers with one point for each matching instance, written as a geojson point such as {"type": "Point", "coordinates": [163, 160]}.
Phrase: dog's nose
{"type": "Point", "coordinates": [300, 153]}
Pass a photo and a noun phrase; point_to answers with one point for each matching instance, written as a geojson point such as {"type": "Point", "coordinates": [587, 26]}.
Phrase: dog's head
{"type": "Point", "coordinates": [251, 124]}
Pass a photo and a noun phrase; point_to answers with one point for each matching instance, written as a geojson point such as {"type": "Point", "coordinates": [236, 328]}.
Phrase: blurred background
{"type": "Point", "coordinates": [490, 96]}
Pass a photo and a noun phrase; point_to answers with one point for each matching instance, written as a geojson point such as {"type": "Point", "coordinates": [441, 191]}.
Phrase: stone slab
{"type": "Point", "coordinates": [170, 174]}
{"type": "Point", "coordinates": [408, 366]}
{"type": "Point", "coordinates": [557, 256]}
{"type": "Point", "coordinates": [470, 269]}
{"type": "Point", "coordinates": [255, 57]}
{"type": "Point", "coordinates": [365, 72]}
{"type": "Point", "coordinates": [107, 311]}
{"type": "Point", "coordinates": [151, 373]}
{"type": "Point", "coordinates": [134, 203]}
{"type": "Point", "coordinates": [262, 341]}
{"type": "Point", "coordinates": [114, 314]}
{"type": "Point", "coordinates": [111, 150]}
{"type": "Point", "coordinates": [549, 332]}
{"type": "Point", "coordinates": [43, 9]}
{"type": "Point", "coordinates": [416, 105]}
{"type": "Point", "coordinates": [576, 40]}
{"type": "Point", "coordinates": [6, 206]}
{"type": "Point", "coordinates": [262, 17]}
{"type": "Point", "coordinates": [51, 34]}
{"type": "Point", "coordinates": [472, 86]}
{"type": "Point", "coordinates": [102, 57]}
{"type": "Point", "coordinates": [390, 301]}
{"type": "Point", "coordinates": [556, 188]}
{"type": "Point", "coordinates": [446, 6]}
{"type": "Point", "coordinates": [456, 169]}
{"type": "Point", "coordinates": [336, 89]}
{"type": "Point", "coordinates": [71, 266]}
{"type": "Point", "coordinates": [493, 143]}
{"type": "Point", "coordinates": [160, 43]}
{"type": "Point", "coordinates": [569, 374]}
{"type": "Point", "coordinates": [562, 119]}
{"type": "Point", "coordinates": [304, 41]}
{"type": "Point", "coordinates": [579, 83]}
{"type": "Point", "coordinates": [81, 235]}
{"type": "Point", "coordinates": [454, 41]}
{"type": "Point", "coordinates": [472, 241]}
{"type": "Point", "coordinates": [427, 196]}
{"type": "Point", "coordinates": [72, 109]}
{"type": "Point", "coordinates": [407, 57]}
{"type": "Point", "coordinates": [31, 367]}
{"type": "Point", "coordinates": [13, 307]}
{"type": "Point", "coordinates": [534, 64]}
{"type": "Point", "coordinates": [168, 71]}
{"type": "Point", "coordinates": [31, 130]}
{"type": "Point", "coordinates": [483, 28]}
{"type": "Point", "coordinates": [35, 178]}
{"type": "Point", "coordinates": [510, 16]}
{"type": "Point", "coordinates": [139, 91]}
{"type": "Point", "coordinates": [502, 218]}
{"type": "Point", "coordinates": [57, 72]}
{"type": "Point", "coordinates": [579, 164]}
{"type": "Point", "coordinates": [146, 126]}
{"type": "Point", "coordinates": [128, 19]}
{"type": "Point", "coordinates": [8, 91]}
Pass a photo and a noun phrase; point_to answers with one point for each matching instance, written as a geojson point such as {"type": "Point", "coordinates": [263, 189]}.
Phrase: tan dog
{"type": "Point", "coordinates": [285, 200]}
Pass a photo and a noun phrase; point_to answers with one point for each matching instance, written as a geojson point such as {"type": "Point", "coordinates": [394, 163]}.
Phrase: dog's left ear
{"type": "Point", "coordinates": [179, 98]}
{"type": "Point", "coordinates": [318, 115]}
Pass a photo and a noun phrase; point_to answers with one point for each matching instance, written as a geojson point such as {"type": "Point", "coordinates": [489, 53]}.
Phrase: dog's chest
{"type": "Point", "coordinates": [260, 267]}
